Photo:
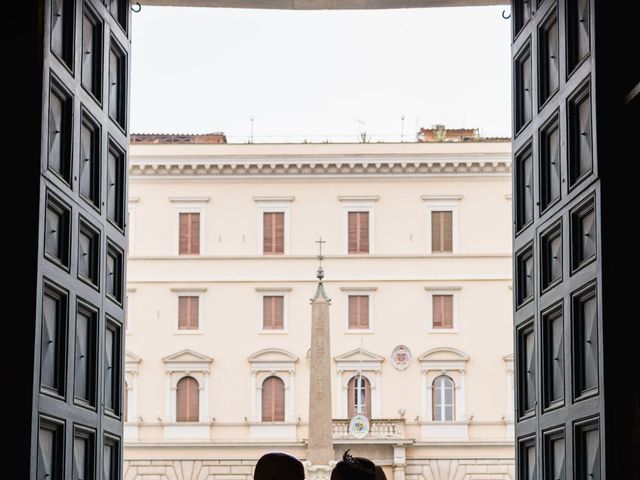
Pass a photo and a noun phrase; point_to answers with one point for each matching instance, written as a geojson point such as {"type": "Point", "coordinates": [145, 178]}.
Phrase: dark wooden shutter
{"type": "Point", "coordinates": [189, 236]}
{"type": "Point", "coordinates": [188, 313]}
{"type": "Point", "coordinates": [359, 311]}
{"type": "Point", "coordinates": [441, 231]}
{"type": "Point", "coordinates": [442, 311]}
{"type": "Point", "coordinates": [273, 400]}
{"type": "Point", "coordinates": [278, 225]}
{"type": "Point", "coordinates": [367, 397]}
{"type": "Point", "coordinates": [358, 232]}
{"type": "Point", "coordinates": [351, 400]}
{"type": "Point", "coordinates": [273, 312]}
{"type": "Point", "coordinates": [187, 400]}
{"type": "Point", "coordinates": [273, 233]}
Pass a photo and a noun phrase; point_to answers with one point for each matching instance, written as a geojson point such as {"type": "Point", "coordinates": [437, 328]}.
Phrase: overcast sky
{"type": "Point", "coordinates": [319, 75]}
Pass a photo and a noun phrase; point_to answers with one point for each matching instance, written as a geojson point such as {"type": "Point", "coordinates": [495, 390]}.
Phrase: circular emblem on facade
{"type": "Point", "coordinates": [401, 357]}
{"type": "Point", "coordinates": [359, 426]}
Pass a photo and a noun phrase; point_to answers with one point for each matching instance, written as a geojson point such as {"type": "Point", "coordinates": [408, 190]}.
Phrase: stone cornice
{"type": "Point", "coordinates": [354, 165]}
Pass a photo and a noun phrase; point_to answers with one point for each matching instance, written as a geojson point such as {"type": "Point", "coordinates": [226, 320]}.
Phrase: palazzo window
{"type": "Point", "coordinates": [188, 400]}
{"type": "Point", "coordinates": [273, 400]}
{"type": "Point", "coordinates": [441, 231]}
{"type": "Point", "coordinates": [273, 221]}
{"type": "Point", "coordinates": [358, 312]}
{"type": "Point", "coordinates": [442, 223]}
{"type": "Point", "coordinates": [189, 233]}
{"type": "Point", "coordinates": [443, 399]}
{"type": "Point", "coordinates": [188, 318]}
{"type": "Point", "coordinates": [273, 233]}
{"type": "Point", "coordinates": [358, 232]}
{"type": "Point", "coordinates": [273, 312]}
{"type": "Point", "coordinates": [187, 379]}
{"type": "Point", "coordinates": [359, 400]}
{"type": "Point", "coordinates": [189, 236]}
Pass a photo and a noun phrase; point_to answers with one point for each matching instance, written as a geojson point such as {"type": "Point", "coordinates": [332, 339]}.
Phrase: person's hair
{"type": "Point", "coordinates": [278, 466]}
{"type": "Point", "coordinates": [380, 475]}
{"type": "Point", "coordinates": [354, 468]}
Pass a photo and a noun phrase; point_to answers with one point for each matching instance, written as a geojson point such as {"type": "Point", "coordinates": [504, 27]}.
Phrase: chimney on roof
{"type": "Point", "coordinates": [439, 133]}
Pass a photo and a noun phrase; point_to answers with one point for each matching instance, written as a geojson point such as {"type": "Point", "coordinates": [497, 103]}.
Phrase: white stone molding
{"type": "Point", "coordinates": [371, 166]}
{"type": "Point", "coordinates": [273, 362]}
{"type": "Point", "coordinates": [352, 363]}
{"type": "Point", "coordinates": [266, 292]}
{"type": "Point", "coordinates": [274, 204]}
{"type": "Point", "coordinates": [453, 291]}
{"type": "Point", "coordinates": [358, 204]}
{"type": "Point", "coordinates": [364, 291]}
{"type": "Point", "coordinates": [187, 363]}
{"type": "Point", "coordinates": [188, 292]}
{"type": "Point", "coordinates": [447, 203]}
{"type": "Point", "coordinates": [189, 204]}
{"type": "Point", "coordinates": [452, 363]}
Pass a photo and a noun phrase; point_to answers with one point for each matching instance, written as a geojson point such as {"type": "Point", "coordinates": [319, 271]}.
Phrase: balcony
{"type": "Point", "coordinates": [380, 429]}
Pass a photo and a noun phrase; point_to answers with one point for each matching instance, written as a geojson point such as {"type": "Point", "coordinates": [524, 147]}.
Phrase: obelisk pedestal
{"type": "Point", "coordinates": [320, 454]}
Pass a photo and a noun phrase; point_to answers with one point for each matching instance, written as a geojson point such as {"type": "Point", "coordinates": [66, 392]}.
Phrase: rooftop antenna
{"type": "Point", "coordinates": [251, 118]}
{"type": "Point", "coordinates": [402, 128]}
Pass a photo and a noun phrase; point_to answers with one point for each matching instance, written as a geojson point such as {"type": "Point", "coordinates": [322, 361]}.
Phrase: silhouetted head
{"type": "Point", "coordinates": [380, 473]}
{"type": "Point", "coordinates": [354, 468]}
{"type": "Point", "coordinates": [278, 466]}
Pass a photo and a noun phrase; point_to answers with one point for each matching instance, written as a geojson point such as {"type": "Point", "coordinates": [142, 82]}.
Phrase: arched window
{"type": "Point", "coordinates": [443, 403]}
{"type": "Point", "coordinates": [273, 400]}
{"type": "Point", "coordinates": [125, 410]}
{"type": "Point", "coordinates": [188, 400]}
{"type": "Point", "coordinates": [359, 396]}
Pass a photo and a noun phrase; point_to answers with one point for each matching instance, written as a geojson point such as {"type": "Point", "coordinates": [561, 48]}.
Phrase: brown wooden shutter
{"type": "Point", "coordinates": [188, 313]}
{"type": "Point", "coordinates": [273, 233]}
{"type": "Point", "coordinates": [273, 312]}
{"type": "Point", "coordinates": [189, 235]}
{"type": "Point", "coordinates": [442, 311]}
{"type": "Point", "coordinates": [184, 233]}
{"type": "Point", "coordinates": [441, 231]}
{"type": "Point", "coordinates": [278, 234]}
{"type": "Point", "coordinates": [273, 400]}
{"type": "Point", "coordinates": [363, 232]}
{"type": "Point", "coordinates": [353, 232]}
{"type": "Point", "coordinates": [187, 400]}
{"type": "Point", "coordinates": [278, 401]}
{"type": "Point", "coordinates": [278, 312]}
{"type": "Point", "coordinates": [359, 311]}
{"type": "Point", "coordinates": [358, 232]}
{"type": "Point", "coordinates": [352, 397]}
{"type": "Point", "coordinates": [194, 246]}
{"type": "Point", "coordinates": [367, 397]}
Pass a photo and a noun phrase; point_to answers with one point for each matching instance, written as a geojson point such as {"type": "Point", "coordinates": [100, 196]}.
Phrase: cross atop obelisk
{"type": "Point", "coordinates": [320, 275]}
{"type": "Point", "coordinates": [320, 454]}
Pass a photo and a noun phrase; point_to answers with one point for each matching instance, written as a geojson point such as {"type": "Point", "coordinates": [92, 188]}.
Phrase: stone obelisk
{"type": "Point", "coordinates": [320, 454]}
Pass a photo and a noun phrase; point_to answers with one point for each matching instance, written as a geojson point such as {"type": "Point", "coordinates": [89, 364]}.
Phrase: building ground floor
{"type": "Point", "coordinates": [401, 459]}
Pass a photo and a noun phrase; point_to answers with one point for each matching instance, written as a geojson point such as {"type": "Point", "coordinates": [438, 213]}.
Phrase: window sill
{"type": "Point", "coordinates": [443, 330]}
{"type": "Point", "coordinates": [273, 332]}
{"type": "Point", "coordinates": [188, 332]}
{"type": "Point", "coordinates": [355, 331]}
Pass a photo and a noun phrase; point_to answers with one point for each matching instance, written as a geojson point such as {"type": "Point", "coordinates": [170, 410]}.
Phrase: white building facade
{"type": "Point", "coordinates": [222, 262]}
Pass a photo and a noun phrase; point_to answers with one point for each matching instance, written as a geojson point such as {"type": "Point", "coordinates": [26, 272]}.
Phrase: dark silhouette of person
{"type": "Point", "coordinates": [354, 468]}
{"type": "Point", "coordinates": [278, 466]}
{"type": "Point", "coordinates": [380, 473]}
